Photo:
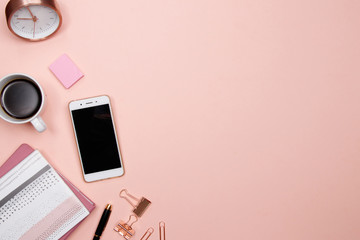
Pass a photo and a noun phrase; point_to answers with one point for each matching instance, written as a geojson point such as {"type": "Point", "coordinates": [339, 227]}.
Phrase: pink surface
{"type": "Point", "coordinates": [237, 119]}
{"type": "Point", "coordinates": [66, 71]}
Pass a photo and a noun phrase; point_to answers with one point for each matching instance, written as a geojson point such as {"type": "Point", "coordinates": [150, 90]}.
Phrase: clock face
{"type": "Point", "coordinates": [35, 22]}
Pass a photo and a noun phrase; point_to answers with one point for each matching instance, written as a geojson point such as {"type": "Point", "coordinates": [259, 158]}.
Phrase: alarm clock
{"type": "Point", "coordinates": [33, 20]}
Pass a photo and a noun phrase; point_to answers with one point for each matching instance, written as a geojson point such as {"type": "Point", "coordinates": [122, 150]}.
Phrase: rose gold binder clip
{"type": "Point", "coordinates": [162, 230]}
{"type": "Point", "coordinates": [125, 229]}
{"type": "Point", "coordinates": [141, 204]}
{"type": "Point", "coordinates": [147, 234]}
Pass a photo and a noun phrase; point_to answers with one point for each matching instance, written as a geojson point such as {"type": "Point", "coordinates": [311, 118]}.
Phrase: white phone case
{"type": "Point", "coordinates": [93, 102]}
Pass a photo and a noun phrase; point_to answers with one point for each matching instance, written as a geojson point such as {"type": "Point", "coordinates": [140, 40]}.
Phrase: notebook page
{"type": "Point", "coordinates": [35, 203]}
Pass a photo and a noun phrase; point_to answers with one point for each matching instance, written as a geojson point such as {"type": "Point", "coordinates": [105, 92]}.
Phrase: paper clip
{"type": "Point", "coordinates": [141, 204]}
{"type": "Point", "coordinates": [125, 229]}
{"type": "Point", "coordinates": [147, 234]}
{"type": "Point", "coordinates": [162, 230]}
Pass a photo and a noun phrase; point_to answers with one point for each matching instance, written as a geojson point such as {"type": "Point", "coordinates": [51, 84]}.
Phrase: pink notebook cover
{"type": "Point", "coordinates": [21, 153]}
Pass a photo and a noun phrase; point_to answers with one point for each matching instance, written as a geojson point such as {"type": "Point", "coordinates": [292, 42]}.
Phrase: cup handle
{"type": "Point", "coordinates": [39, 124]}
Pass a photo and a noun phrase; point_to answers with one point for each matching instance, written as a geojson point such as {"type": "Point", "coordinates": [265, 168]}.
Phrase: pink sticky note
{"type": "Point", "coordinates": [66, 71]}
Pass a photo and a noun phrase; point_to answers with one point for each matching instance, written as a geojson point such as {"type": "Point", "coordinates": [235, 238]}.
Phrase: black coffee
{"type": "Point", "coordinates": [21, 98]}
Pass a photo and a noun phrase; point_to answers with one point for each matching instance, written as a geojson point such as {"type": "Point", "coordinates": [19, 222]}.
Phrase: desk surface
{"type": "Point", "coordinates": [237, 119]}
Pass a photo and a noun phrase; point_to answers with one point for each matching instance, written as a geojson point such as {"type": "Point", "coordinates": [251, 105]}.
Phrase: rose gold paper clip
{"type": "Point", "coordinates": [125, 229]}
{"type": "Point", "coordinates": [162, 230]}
{"type": "Point", "coordinates": [147, 234]}
{"type": "Point", "coordinates": [141, 204]}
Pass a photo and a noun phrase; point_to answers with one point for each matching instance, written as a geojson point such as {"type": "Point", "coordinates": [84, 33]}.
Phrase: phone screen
{"type": "Point", "coordinates": [96, 138]}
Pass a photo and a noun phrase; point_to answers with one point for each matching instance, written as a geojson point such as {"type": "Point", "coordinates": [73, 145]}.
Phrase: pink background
{"type": "Point", "coordinates": [237, 119]}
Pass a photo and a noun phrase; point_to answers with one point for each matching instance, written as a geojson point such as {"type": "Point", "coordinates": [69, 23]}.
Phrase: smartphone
{"type": "Point", "coordinates": [96, 138]}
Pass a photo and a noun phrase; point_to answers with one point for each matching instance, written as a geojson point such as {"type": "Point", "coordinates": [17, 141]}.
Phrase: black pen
{"type": "Point", "coordinates": [103, 221]}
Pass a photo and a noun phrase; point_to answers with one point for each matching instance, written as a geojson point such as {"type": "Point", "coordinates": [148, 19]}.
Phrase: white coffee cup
{"type": "Point", "coordinates": [34, 117]}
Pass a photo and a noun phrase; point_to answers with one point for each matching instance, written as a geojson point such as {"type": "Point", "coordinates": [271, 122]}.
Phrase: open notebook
{"type": "Point", "coordinates": [35, 201]}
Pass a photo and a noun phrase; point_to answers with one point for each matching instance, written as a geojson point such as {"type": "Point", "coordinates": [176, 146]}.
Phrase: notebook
{"type": "Point", "coordinates": [36, 202]}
